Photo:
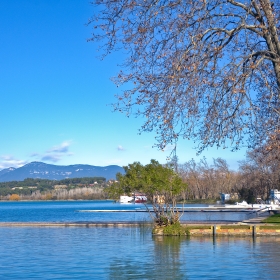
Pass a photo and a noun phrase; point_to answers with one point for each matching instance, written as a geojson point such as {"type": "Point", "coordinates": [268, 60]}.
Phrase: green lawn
{"type": "Point", "coordinates": [272, 219]}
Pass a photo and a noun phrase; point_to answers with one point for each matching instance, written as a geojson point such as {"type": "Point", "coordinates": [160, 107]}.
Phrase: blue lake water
{"type": "Point", "coordinates": [122, 252]}
{"type": "Point", "coordinates": [69, 211]}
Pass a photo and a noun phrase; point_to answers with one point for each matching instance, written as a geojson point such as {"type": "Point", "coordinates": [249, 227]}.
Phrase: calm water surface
{"type": "Point", "coordinates": [68, 211]}
{"type": "Point", "coordinates": [132, 253]}
{"type": "Point", "coordinates": [122, 252]}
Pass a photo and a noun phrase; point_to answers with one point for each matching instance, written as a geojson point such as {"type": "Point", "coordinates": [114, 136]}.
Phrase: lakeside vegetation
{"type": "Point", "coordinates": [161, 185]}
{"type": "Point", "coordinates": [254, 179]}
{"type": "Point", "coordinates": [43, 189]}
{"type": "Point", "coordinates": [257, 175]}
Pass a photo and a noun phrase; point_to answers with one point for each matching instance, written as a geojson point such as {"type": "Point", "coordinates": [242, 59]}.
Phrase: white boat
{"type": "Point", "coordinates": [140, 198]}
{"type": "Point", "coordinates": [255, 206]}
{"type": "Point", "coordinates": [126, 199]}
{"type": "Point", "coordinates": [243, 203]}
{"type": "Point", "coordinates": [136, 198]}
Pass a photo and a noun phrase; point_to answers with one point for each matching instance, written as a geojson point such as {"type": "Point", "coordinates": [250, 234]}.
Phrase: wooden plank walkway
{"type": "Point", "coordinates": [255, 220]}
{"type": "Point", "coordinates": [105, 224]}
{"type": "Point", "coordinates": [73, 224]}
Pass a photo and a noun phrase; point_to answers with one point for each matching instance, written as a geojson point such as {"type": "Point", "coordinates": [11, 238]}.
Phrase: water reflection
{"type": "Point", "coordinates": [161, 261]}
{"type": "Point", "coordinates": [167, 256]}
{"type": "Point", "coordinates": [203, 258]}
{"type": "Point", "coordinates": [233, 258]}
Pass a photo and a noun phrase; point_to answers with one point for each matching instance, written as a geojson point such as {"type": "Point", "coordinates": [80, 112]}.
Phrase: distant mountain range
{"type": "Point", "coordinates": [56, 172]}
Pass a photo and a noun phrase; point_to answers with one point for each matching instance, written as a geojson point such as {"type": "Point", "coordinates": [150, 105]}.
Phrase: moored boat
{"type": "Point", "coordinates": [140, 198]}
{"type": "Point", "coordinates": [135, 198]}
{"type": "Point", "coordinates": [126, 199]}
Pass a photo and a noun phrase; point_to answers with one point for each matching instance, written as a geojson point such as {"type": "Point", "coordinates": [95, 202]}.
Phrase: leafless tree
{"type": "Point", "coordinates": [206, 181]}
{"type": "Point", "coordinates": [196, 69]}
{"type": "Point", "coordinates": [259, 172]}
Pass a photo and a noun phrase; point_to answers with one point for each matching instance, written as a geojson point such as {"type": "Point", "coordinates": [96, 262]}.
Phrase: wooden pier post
{"type": "Point", "coordinates": [214, 230]}
{"type": "Point", "coordinates": [254, 231]}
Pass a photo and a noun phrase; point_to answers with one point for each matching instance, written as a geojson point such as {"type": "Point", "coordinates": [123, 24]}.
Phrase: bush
{"type": "Point", "coordinates": [175, 229]}
{"type": "Point", "coordinates": [14, 197]}
{"type": "Point", "coordinates": [231, 201]}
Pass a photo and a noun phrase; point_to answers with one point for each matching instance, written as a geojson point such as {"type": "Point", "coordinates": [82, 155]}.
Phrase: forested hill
{"type": "Point", "coordinates": [55, 172]}
{"type": "Point", "coordinates": [43, 189]}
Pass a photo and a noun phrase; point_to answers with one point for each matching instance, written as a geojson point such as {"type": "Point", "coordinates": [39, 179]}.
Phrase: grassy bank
{"type": "Point", "coordinates": [274, 219]}
{"type": "Point", "coordinates": [218, 230]}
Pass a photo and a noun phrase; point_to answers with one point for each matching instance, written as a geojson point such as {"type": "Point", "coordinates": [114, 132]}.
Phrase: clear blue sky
{"type": "Point", "coordinates": [56, 94]}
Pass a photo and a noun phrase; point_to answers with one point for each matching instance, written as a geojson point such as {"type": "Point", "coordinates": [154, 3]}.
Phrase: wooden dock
{"type": "Point", "coordinates": [182, 210]}
{"type": "Point", "coordinates": [73, 224]}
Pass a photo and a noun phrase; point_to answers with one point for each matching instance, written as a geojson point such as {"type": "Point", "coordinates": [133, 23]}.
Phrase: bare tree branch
{"type": "Point", "coordinates": [202, 70]}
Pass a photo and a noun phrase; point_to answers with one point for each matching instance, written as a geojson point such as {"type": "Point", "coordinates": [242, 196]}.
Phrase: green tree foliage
{"type": "Point", "coordinates": [161, 184]}
{"type": "Point", "coordinates": [247, 195]}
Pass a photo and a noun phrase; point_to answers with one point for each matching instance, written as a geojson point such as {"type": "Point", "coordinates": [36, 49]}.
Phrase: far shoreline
{"type": "Point", "coordinates": [66, 200]}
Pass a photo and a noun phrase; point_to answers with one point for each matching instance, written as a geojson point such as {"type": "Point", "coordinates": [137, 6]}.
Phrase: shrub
{"type": "Point", "coordinates": [175, 229]}
{"type": "Point", "coordinates": [14, 197]}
